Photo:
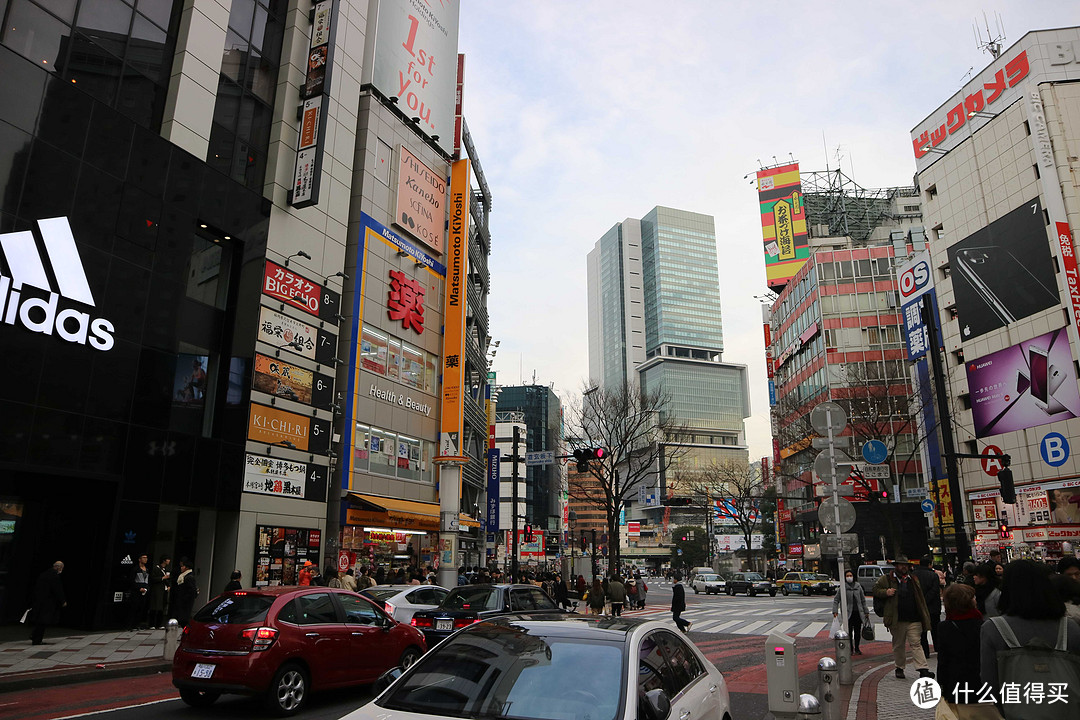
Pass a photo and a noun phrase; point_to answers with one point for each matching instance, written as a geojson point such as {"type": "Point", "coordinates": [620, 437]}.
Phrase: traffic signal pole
{"type": "Point", "coordinates": [515, 458]}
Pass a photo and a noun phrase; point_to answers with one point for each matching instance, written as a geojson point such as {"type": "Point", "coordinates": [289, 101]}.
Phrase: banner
{"type": "Point", "coordinates": [783, 223]}
{"type": "Point", "coordinates": [453, 372]}
{"type": "Point", "coordinates": [1026, 385]}
{"type": "Point", "coordinates": [277, 377]}
{"type": "Point", "coordinates": [284, 478]}
{"type": "Point", "coordinates": [421, 200]}
{"type": "Point", "coordinates": [493, 492]}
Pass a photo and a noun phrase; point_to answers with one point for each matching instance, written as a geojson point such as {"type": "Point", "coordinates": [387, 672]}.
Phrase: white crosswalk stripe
{"type": "Point", "coordinates": [812, 629]}
{"type": "Point", "coordinates": [749, 616]}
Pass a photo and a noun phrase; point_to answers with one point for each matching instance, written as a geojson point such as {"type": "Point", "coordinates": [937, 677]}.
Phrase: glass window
{"type": "Point", "coordinates": [472, 598]}
{"type": "Point", "coordinates": [408, 464]}
{"type": "Point", "coordinates": [359, 611]}
{"type": "Point", "coordinates": [412, 366]}
{"type": "Point", "coordinates": [394, 363]}
{"type": "Point", "coordinates": [236, 609]}
{"type": "Point", "coordinates": [383, 452]}
{"type": "Point", "coordinates": [316, 609]}
{"type": "Point", "coordinates": [34, 34]}
{"type": "Point", "coordinates": [430, 369]}
{"type": "Point", "coordinates": [208, 273]}
{"type": "Point", "coordinates": [288, 614]}
{"type": "Point", "coordinates": [360, 453]}
{"type": "Point", "coordinates": [374, 347]}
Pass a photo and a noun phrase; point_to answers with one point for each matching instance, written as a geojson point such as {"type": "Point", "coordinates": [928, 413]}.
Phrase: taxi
{"type": "Point", "coordinates": [807, 583]}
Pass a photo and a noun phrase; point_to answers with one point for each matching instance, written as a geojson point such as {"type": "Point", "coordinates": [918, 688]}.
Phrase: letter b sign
{"type": "Point", "coordinates": [1055, 449]}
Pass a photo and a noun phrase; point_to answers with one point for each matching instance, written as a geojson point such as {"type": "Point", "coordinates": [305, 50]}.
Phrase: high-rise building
{"type": "Point", "coordinates": [541, 412]}
{"type": "Point", "coordinates": [655, 322]}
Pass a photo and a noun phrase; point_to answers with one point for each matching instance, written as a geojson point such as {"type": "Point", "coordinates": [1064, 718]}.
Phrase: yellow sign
{"type": "Point", "coordinates": [944, 499]}
{"type": "Point", "coordinates": [453, 360]}
{"type": "Point", "coordinates": [785, 240]}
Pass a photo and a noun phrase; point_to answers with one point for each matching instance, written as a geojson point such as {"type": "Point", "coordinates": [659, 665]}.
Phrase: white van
{"type": "Point", "coordinates": [868, 575]}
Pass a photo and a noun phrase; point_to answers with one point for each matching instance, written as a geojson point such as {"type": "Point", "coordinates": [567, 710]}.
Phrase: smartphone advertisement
{"type": "Point", "coordinates": [1024, 386]}
{"type": "Point", "coordinates": [1003, 272]}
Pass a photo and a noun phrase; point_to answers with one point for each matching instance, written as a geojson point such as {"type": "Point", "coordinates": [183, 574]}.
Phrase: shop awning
{"type": "Point", "coordinates": [392, 513]}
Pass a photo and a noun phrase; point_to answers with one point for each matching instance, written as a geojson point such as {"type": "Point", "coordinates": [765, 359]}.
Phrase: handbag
{"type": "Point", "coordinates": [868, 631]}
{"type": "Point", "coordinates": [943, 711]}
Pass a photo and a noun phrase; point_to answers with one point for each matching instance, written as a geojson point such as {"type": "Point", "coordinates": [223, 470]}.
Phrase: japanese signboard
{"type": "Point", "coordinates": [421, 197]}
{"type": "Point", "coordinates": [415, 62]}
{"type": "Point", "coordinates": [405, 301]}
{"type": "Point", "coordinates": [783, 223]}
{"type": "Point", "coordinates": [277, 377]}
{"type": "Point", "coordinates": [296, 291]}
{"type": "Point", "coordinates": [1026, 385]}
{"type": "Point", "coordinates": [493, 491]}
{"type": "Point", "coordinates": [280, 552]}
{"type": "Point", "coordinates": [284, 478]}
{"type": "Point", "coordinates": [272, 426]}
{"type": "Point", "coordinates": [309, 147]}
{"type": "Point", "coordinates": [297, 337]}
{"type": "Point", "coordinates": [454, 312]}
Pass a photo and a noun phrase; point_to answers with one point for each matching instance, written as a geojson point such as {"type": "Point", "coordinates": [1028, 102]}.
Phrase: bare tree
{"type": "Point", "coordinates": [640, 441]}
{"type": "Point", "coordinates": [737, 489]}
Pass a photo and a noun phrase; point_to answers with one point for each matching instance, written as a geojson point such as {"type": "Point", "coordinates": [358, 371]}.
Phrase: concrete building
{"type": "Point", "coordinates": [996, 174]}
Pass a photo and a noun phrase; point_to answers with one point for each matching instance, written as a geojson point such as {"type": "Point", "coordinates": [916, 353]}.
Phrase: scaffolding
{"type": "Point", "coordinates": [845, 208]}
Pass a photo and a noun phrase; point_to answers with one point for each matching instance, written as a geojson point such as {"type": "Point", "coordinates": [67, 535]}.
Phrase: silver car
{"type": "Point", "coordinates": [708, 583]}
{"type": "Point", "coordinates": [401, 601]}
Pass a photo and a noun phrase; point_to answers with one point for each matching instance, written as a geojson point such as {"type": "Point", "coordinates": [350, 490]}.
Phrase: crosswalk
{"type": "Point", "coordinates": [758, 616]}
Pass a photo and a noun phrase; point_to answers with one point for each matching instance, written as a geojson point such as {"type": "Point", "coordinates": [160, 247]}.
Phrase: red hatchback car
{"type": "Point", "coordinates": [284, 642]}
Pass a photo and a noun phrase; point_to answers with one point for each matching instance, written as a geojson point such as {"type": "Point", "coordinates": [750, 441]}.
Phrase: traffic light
{"type": "Point", "coordinates": [582, 456]}
{"type": "Point", "coordinates": [528, 533]}
{"type": "Point", "coordinates": [584, 542]}
{"type": "Point", "coordinates": [1008, 489]}
{"type": "Point", "coordinates": [1003, 531]}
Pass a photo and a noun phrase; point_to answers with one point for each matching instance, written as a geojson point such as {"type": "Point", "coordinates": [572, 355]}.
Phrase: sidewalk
{"type": "Point", "coordinates": [878, 694]}
{"type": "Point", "coordinates": [79, 657]}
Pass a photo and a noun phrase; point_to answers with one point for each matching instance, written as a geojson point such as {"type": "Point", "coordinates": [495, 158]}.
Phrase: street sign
{"type": "Point", "coordinates": [846, 542]}
{"type": "Point", "coordinates": [916, 492]}
{"type": "Point", "coordinates": [822, 443]}
{"type": "Point", "coordinates": [927, 505]}
{"type": "Point", "coordinates": [874, 472]}
{"type": "Point", "coordinates": [542, 457]}
{"type": "Point", "coordinates": [826, 416]}
{"type": "Point", "coordinates": [827, 514]}
{"type": "Point", "coordinates": [846, 490]}
{"type": "Point", "coordinates": [874, 452]}
{"type": "Point", "coordinates": [823, 466]}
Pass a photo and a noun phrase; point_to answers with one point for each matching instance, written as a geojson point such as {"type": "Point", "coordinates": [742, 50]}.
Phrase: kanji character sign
{"type": "Point", "coordinates": [406, 301]}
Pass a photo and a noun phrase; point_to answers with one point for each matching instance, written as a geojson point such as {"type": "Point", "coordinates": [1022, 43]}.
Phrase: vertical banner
{"type": "Point", "coordinates": [309, 146]}
{"type": "Point", "coordinates": [453, 363]}
{"type": "Point", "coordinates": [783, 223]}
{"type": "Point", "coordinates": [493, 492]}
{"type": "Point", "coordinates": [459, 118]}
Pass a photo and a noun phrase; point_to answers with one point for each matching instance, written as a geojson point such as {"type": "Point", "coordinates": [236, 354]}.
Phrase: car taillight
{"type": "Point", "coordinates": [261, 637]}
{"type": "Point", "coordinates": [389, 609]}
{"type": "Point", "coordinates": [422, 622]}
{"type": "Point", "coordinates": [463, 622]}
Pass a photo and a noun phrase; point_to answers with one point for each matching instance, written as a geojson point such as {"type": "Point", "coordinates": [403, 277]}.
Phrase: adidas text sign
{"type": "Point", "coordinates": [26, 269]}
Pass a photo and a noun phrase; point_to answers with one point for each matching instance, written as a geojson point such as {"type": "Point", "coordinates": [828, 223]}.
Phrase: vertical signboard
{"type": "Point", "coordinates": [309, 147]}
{"type": "Point", "coordinates": [493, 492]}
{"type": "Point", "coordinates": [421, 193]}
{"type": "Point", "coordinates": [783, 223]}
{"type": "Point", "coordinates": [459, 117]}
{"type": "Point", "coordinates": [453, 362]}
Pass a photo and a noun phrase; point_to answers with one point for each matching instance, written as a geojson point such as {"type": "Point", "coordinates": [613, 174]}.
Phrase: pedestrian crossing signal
{"type": "Point", "coordinates": [1003, 531]}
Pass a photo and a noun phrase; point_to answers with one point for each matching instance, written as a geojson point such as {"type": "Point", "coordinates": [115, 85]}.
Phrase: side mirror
{"type": "Point", "coordinates": [658, 704]}
{"type": "Point", "coordinates": [386, 680]}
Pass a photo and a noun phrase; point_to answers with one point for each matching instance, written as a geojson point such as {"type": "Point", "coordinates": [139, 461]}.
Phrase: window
{"type": "Point", "coordinates": [288, 614]}
{"type": "Point", "coordinates": [374, 348]}
{"type": "Point", "coordinates": [236, 610]}
{"type": "Point", "coordinates": [394, 362]}
{"type": "Point", "coordinates": [685, 667]}
{"type": "Point", "coordinates": [359, 611]}
{"type": "Point", "coordinates": [316, 609]}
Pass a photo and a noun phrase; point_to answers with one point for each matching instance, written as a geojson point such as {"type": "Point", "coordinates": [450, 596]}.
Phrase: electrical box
{"type": "Point", "coordinates": [782, 675]}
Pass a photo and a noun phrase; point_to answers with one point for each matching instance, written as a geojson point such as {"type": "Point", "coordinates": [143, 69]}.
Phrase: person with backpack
{"type": "Point", "coordinates": [957, 645]}
{"type": "Point", "coordinates": [903, 607]}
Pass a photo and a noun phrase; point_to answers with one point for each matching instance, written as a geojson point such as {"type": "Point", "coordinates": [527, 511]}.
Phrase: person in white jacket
{"type": "Point", "coordinates": [858, 615]}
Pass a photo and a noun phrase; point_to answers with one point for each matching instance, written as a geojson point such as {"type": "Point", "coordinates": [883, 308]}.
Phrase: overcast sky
{"type": "Point", "coordinates": [585, 113]}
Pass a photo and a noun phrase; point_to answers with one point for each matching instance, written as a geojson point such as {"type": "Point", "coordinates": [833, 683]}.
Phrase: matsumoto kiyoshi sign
{"type": "Point", "coordinates": [28, 298]}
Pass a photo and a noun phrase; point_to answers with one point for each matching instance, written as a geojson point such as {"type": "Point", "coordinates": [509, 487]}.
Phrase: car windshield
{"type": "Point", "coordinates": [822, 577]}
{"type": "Point", "coordinates": [754, 577]}
{"type": "Point", "coordinates": [380, 594]}
{"type": "Point", "coordinates": [709, 578]}
{"type": "Point", "coordinates": [506, 672]}
{"type": "Point", "coordinates": [235, 609]}
{"type": "Point", "coordinates": [471, 597]}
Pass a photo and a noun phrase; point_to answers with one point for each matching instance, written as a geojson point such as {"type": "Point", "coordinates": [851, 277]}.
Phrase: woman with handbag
{"type": "Point", "coordinates": [858, 615]}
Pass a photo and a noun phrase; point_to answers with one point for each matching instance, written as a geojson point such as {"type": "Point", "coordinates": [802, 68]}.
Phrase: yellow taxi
{"type": "Point", "coordinates": [807, 583]}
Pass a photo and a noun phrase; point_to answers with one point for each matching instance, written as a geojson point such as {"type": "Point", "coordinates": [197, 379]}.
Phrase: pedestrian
{"type": "Point", "coordinates": [159, 591]}
{"type": "Point", "coordinates": [380, 575]}
{"type": "Point", "coordinates": [642, 592]}
{"type": "Point", "coordinates": [678, 603]}
{"type": "Point", "coordinates": [858, 615]}
{"type": "Point", "coordinates": [317, 576]}
{"type": "Point", "coordinates": [46, 602]}
{"type": "Point", "coordinates": [595, 597]}
{"type": "Point", "coordinates": [1069, 566]}
{"type": "Point", "coordinates": [632, 593]}
{"type": "Point", "coordinates": [305, 574]}
{"type": "Point", "coordinates": [332, 579]}
{"type": "Point", "coordinates": [617, 594]}
{"type": "Point", "coordinates": [184, 593]}
{"type": "Point", "coordinates": [987, 594]}
{"type": "Point", "coordinates": [365, 580]}
{"type": "Point", "coordinates": [995, 557]}
{"type": "Point", "coordinates": [1030, 609]}
{"type": "Point", "coordinates": [1068, 590]}
{"type": "Point", "coordinates": [580, 586]}
{"type": "Point", "coordinates": [348, 580]}
{"type": "Point", "coordinates": [957, 645]}
{"type": "Point", "coordinates": [968, 575]}
{"type": "Point", "coordinates": [140, 593]}
{"type": "Point", "coordinates": [931, 586]}
{"type": "Point", "coordinates": [905, 616]}
{"type": "Point", "coordinates": [562, 593]}
{"type": "Point", "coordinates": [234, 582]}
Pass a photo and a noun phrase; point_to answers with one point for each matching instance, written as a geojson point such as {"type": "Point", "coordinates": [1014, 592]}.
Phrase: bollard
{"type": "Point", "coordinates": [829, 690]}
{"type": "Point", "coordinates": [809, 707]}
{"type": "Point", "coordinates": [842, 641]}
{"type": "Point", "coordinates": [172, 638]}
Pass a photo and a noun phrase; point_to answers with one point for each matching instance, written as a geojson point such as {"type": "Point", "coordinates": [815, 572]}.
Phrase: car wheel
{"type": "Point", "coordinates": [410, 656]}
{"type": "Point", "coordinates": [750, 592]}
{"type": "Point", "coordinates": [806, 590]}
{"type": "Point", "coordinates": [199, 698]}
{"type": "Point", "coordinates": [288, 690]}
{"type": "Point", "coordinates": [784, 590]}
{"type": "Point", "coordinates": [696, 591]}
{"type": "Point", "coordinates": [772, 592]}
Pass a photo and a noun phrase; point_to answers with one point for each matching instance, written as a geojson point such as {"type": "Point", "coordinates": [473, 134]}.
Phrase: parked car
{"type": "Point", "coordinates": [401, 601]}
{"type": "Point", "coordinates": [869, 574]}
{"type": "Point", "coordinates": [284, 642]}
{"type": "Point", "coordinates": [750, 583]}
{"type": "Point", "coordinates": [708, 583]}
{"type": "Point", "coordinates": [540, 667]}
{"type": "Point", "coordinates": [806, 583]}
{"type": "Point", "coordinates": [468, 604]}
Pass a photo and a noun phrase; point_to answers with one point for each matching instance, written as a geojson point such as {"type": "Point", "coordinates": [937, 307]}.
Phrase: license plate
{"type": "Point", "coordinates": [444, 624]}
{"type": "Point", "coordinates": [202, 670]}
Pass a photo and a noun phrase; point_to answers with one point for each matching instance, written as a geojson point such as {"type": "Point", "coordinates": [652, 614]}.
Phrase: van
{"type": "Point", "coordinates": [868, 575]}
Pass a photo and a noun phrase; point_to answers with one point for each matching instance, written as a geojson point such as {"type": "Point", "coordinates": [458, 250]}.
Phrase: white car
{"type": "Point", "coordinates": [708, 583]}
{"type": "Point", "coordinates": [555, 666]}
{"type": "Point", "coordinates": [402, 601]}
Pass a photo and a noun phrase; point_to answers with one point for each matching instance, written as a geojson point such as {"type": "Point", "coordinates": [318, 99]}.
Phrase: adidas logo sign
{"type": "Point", "coordinates": [127, 560]}
{"type": "Point", "coordinates": [41, 315]}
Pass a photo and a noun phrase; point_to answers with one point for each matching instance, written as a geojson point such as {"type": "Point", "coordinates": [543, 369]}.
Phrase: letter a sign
{"type": "Point", "coordinates": [991, 465]}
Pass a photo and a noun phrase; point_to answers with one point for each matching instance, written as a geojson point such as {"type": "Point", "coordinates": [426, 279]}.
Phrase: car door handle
{"type": "Point", "coordinates": [311, 634]}
{"type": "Point", "coordinates": [684, 714]}
{"type": "Point", "coordinates": [358, 634]}
{"type": "Point", "coordinates": [712, 688]}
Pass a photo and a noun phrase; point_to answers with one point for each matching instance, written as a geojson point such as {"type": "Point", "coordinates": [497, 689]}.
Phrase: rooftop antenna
{"type": "Point", "coordinates": [993, 42]}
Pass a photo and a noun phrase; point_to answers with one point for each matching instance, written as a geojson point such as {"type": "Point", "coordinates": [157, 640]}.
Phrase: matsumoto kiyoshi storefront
{"type": "Point", "coordinates": [1046, 515]}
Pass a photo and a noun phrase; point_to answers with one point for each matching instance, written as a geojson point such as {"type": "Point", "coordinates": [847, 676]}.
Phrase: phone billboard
{"type": "Point", "coordinates": [1026, 385]}
{"type": "Point", "coordinates": [1003, 272]}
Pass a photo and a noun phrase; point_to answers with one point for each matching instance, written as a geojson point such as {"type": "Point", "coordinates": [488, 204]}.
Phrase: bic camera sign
{"type": "Point", "coordinates": [25, 264]}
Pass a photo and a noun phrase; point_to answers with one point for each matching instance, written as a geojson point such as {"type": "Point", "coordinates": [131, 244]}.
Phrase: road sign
{"type": "Point", "coordinates": [927, 505]}
{"type": "Point", "coordinates": [542, 457]}
{"type": "Point", "coordinates": [874, 452]}
{"type": "Point", "coordinates": [823, 466]}
{"type": "Point", "coordinates": [916, 492]}
{"type": "Point", "coordinates": [827, 514]}
{"type": "Point", "coordinates": [846, 542]}
{"type": "Point", "coordinates": [874, 472]}
{"type": "Point", "coordinates": [822, 443]}
{"type": "Point", "coordinates": [991, 465]}
{"type": "Point", "coordinates": [826, 416]}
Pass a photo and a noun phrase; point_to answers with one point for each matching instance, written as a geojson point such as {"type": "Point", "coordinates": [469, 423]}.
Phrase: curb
{"type": "Point", "coordinates": [71, 674]}
{"type": "Point", "coordinates": [864, 705]}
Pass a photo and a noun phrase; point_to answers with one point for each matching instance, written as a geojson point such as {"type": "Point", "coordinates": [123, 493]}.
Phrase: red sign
{"type": "Point", "coordinates": [283, 284]}
{"type": "Point", "coordinates": [343, 561]}
{"type": "Point", "coordinates": [633, 529]}
{"type": "Point", "coordinates": [406, 301]}
{"type": "Point", "coordinates": [1068, 258]}
{"type": "Point", "coordinates": [794, 549]}
{"type": "Point", "coordinates": [991, 465]}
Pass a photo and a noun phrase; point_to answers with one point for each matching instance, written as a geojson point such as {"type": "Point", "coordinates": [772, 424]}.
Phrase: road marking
{"type": "Point", "coordinates": [783, 627]}
{"type": "Point", "coordinates": [751, 628]}
{"type": "Point", "coordinates": [707, 626]}
{"type": "Point", "coordinates": [125, 707]}
{"type": "Point", "coordinates": [812, 629]}
{"type": "Point", "coordinates": [727, 625]}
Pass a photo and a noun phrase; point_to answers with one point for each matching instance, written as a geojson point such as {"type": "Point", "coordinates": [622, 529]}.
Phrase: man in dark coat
{"type": "Point", "coordinates": [47, 601]}
{"type": "Point", "coordinates": [159, 591]}
{"type": "Point", "coordinates": [184, 592]}
{"type": "Point", "coordinates": [931, 587]}
{"type": "Point", "coordinates": [678, 603]}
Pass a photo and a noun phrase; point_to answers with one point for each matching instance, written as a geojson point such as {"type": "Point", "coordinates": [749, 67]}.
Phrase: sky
{"type": "Point", "coordinates": [588, 112]}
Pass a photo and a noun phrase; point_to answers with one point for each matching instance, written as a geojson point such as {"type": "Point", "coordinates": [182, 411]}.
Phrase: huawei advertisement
{"type": "Point", "coordinates": [1023, 386]}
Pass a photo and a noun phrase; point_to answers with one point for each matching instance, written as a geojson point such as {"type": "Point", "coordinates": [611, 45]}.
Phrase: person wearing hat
{"type": "Point", "coordinates": [305, 573]}
{"type": "Point", "coordinates": [906, 616]}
